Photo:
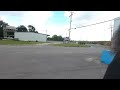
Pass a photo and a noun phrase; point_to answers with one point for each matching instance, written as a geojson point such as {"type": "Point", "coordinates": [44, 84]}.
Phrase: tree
{"type": "Point", "coordinates": [2, 25]}
{"type": "Point", "coordinates": [1, 32]}
{"type": "Point", "coordinates": [36, 31]}
{"type": "Point", "coordinates": [56, 38]}
{"type": "Point", "coordinates": [22, 28]}
{"type": "Point", "coordinates": [31, 28]}
{"type": "Point", "coordinates": [60, 38]}
{"type": "Point", "coordinates": [1, 28]}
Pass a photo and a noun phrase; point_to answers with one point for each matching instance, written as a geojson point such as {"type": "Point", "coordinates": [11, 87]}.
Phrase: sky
{"type": "Point", "coordinates": [58, 22]}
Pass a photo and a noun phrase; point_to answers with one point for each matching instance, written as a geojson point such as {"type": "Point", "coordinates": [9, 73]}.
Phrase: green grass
{"type": "Point", "coordinates": [71, 45]}
{"type": "Point", "coordinates": [13, 42]}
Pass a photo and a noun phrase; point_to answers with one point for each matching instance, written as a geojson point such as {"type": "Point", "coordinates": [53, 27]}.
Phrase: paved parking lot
{"type": "Point", "coordinates": [50, 62]}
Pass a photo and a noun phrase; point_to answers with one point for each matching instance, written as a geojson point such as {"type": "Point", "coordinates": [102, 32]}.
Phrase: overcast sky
{"type": "Point", "coordinates": [57, 22]}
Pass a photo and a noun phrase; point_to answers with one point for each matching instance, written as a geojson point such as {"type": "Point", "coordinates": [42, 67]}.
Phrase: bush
{"type": "Point", "coordinates": [108, 44]}
{"type": "Point", "coordinates": [81, 42]}
{"type": "Point", "coordinates": [16, 39]}
{"type": "Point", "coordinates": [71, 45]}
{"type": "Point", "coordinates": [1, 38]}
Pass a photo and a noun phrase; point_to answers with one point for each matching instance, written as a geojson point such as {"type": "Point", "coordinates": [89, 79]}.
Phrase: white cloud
{"type": "Point", "coordinates": [38, 19]}
{"type": "Point", "coordinates": [88, 17]}
{"type": "Point", "coordinates": [58, 30]}
{"type": "Point", "coordinates": [3, 18]}
{"type": "Point", "coordinates": [97, 32]}
{"type": "Point", "coordinates": [12, 13]}
{"type": "Point", "coordinates": [12, 17]}
{"type": "Point", "coordinates": [93, 33]}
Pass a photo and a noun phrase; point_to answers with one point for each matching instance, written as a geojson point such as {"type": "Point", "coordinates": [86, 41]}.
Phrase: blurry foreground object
{"type": "Point", "coordinates": [113, 70]}
{"type": "Point", "coordinates": [107, 56]}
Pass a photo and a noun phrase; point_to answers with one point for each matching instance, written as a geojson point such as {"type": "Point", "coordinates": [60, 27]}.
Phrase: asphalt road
{"type": "Point", "coordinates": [50, 62]}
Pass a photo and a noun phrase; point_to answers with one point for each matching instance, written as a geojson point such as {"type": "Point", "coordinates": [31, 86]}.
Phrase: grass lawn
{"type": "Point", "coordinates": [71, 45]}
{"type": "Point", "coordinates": [13, 42]}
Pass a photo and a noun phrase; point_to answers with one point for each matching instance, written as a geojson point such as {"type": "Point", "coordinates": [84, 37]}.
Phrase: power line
{"type": "Point", "coordinates": [95, 23]}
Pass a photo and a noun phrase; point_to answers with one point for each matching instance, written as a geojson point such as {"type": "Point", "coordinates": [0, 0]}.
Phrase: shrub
{"type": "Point", "coordinates": [16, 39]}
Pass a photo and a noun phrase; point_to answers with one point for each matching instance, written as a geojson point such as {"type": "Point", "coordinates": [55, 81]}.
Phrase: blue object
{"type": "Point", "coordinates": [107, 56]}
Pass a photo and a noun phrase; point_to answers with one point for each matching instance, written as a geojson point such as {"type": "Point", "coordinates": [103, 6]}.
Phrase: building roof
{"type": "Point", "coordinates": [10, 27]}
{"type": "Point", "coordinates": [44, 34]}
{"type": "Point", "coordinates": [33, 32]}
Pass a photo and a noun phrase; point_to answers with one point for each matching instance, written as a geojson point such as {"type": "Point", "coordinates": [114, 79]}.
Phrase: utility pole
{"type": "Point", "coordinates": [111, 30]}
{"type": "Point", "coordinates": [111, 33]}
{"type": "Point", "coordinates": [66, 34]}
{"type": "Point", "coordinates": [71, 13]}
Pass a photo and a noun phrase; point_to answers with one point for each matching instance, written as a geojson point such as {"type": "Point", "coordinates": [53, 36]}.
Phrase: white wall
{"type": "Point", "coordinates": [29, 36]}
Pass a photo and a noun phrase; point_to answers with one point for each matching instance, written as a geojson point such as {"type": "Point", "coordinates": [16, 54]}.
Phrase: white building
{"type": "Point", "coordinates": [30, 36]}
{"type": "Point", "coordinates": [8, 31]}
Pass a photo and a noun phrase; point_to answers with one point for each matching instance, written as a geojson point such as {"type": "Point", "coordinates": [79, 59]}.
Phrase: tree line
{"type": "Point", "coordinates": [31, 28]}
{"type": "Point", "coordinates": [2, 25]}
{"type": "Point", "coordinates": [55, 38]}
{"type": "Point", "coordinates": [20, 28]}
